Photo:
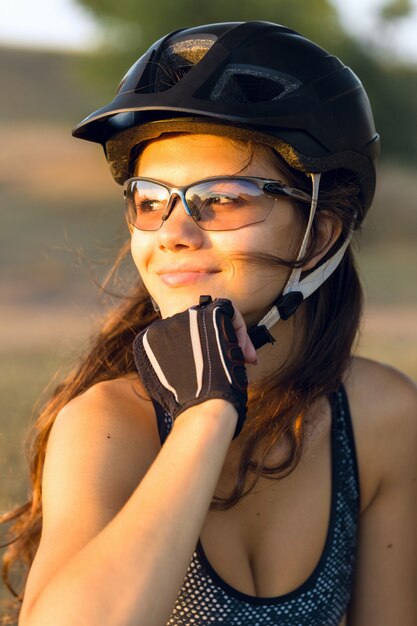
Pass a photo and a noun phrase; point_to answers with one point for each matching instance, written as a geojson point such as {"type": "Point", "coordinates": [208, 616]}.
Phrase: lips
{"type": "Point", "coordinates": [185, 268]}
{"type": "Point", "coordinates": [185, 275]}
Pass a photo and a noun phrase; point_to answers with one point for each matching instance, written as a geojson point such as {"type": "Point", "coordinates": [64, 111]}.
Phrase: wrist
{"type": "Point", "coordinates": [212, 414]}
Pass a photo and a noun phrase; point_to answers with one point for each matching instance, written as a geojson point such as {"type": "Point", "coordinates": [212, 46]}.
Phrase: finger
{"type": "Point", "coordinates": [243, 338]}
{"type": "Point", "coordinates": [250, 353]}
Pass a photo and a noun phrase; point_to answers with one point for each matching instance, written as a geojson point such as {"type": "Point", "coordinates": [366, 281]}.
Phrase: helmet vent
{"type": "Point", "coordinates": [237, 85]}
{"type": "Point", "coordinates": [178, 58]}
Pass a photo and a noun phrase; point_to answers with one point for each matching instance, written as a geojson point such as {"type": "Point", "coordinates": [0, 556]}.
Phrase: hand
{"type": "Point", "coordinates": [196, 355]}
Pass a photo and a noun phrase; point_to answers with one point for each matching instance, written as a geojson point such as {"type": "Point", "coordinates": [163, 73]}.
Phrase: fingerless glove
{"type": "Point", "coordinates": [192, 357]}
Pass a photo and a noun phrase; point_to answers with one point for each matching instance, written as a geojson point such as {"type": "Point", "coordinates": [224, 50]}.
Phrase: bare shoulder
{"type": "Point", "coordinates": [119, 407]}
{"type": "Point", "coordinates": [111, 426]}
{"type": "Point", "coordinates": [383, 403]}
{"type": "Point", "coordinates": [383, 396]}
{"type": "Point", "coordinates": [367, 376]}
{"type": "Point", "coordinates": [101, 445]}
{"type": "Point", "coordinates": [121, 404]}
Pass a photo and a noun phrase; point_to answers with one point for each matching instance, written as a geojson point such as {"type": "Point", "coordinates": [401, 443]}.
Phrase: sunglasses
{"type": "Point", "coordinates": [221, 203]}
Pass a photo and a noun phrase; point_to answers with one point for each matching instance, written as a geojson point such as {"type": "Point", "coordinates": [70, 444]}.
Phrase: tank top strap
{"type": "Point", "coordinates": [343, 433]}
{"type": "Point", "coordinates": [164, 421]}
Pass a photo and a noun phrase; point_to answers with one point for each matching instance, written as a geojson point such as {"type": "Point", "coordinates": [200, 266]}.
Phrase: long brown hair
{"type": "Point", "coordinates": [327, 321]}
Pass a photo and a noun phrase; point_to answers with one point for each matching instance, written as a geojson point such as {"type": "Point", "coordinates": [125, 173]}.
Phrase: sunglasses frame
{"type": "Point", "coordinates": [267, 185]}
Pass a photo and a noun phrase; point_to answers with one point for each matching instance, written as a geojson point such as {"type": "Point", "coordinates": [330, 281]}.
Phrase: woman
{"type": "Point", "coordinates": [283, 491]}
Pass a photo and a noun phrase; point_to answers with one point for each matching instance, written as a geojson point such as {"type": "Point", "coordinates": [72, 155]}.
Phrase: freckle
{"type": "Point", "coordinates": [258, 515]}
{"type": "Point", "coordinates": [389, 545]}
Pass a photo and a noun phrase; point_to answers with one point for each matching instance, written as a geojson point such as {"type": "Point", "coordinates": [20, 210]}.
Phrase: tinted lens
{"type": "Point", "coordinates": [145, 204]}
{"type": "Point", "coordinates": [228, 204]}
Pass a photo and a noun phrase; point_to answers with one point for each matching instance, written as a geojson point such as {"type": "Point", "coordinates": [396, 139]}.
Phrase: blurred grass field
{"type": "Point", "coordinates": [59, 206]}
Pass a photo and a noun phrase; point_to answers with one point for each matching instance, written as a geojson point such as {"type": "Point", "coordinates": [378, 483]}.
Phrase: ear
{"type": "Point", "coordinates": [327, 232]}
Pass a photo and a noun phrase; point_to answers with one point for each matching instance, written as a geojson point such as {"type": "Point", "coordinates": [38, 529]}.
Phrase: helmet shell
{"type": "Point", "coordinates": [254, 80]}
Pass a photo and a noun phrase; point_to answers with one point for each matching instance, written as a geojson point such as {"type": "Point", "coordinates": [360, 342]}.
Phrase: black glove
{"type": "Point", "coordinates": [193, 356]}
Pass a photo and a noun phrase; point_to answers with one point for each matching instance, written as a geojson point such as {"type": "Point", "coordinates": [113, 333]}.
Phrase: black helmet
{"type": "Point", "coordinates": [250, 80]}
{"type": "Point", "coordinates": [255, 80]}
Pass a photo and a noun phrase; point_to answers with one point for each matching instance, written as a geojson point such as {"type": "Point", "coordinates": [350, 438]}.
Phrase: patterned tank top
{"type": "Point", "coordinates": [322, 600]}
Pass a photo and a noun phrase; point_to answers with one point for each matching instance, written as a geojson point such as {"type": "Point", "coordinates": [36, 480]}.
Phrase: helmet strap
{"type": "Point", "coordinates": [296, 290]}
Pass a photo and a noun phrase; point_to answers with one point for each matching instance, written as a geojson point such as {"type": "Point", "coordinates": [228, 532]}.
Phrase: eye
{"type": "Point", "coordinates": [223, 200]}
{"type": "Point", "coordinates": [144, 205]}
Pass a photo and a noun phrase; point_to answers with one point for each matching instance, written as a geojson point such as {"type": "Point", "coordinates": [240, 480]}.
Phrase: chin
{"type": "Point", "coordinates": [172, 308]}
{"type": "Point", "coordinates": [181, 301]}
{"type": "Point", "coordinates": [180, 304]}
{"type": "Point", "coordinates": [176, 305]}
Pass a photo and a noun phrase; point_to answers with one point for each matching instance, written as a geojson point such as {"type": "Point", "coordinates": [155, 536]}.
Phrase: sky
{"type": "Point", "coordinates": [64, 24]}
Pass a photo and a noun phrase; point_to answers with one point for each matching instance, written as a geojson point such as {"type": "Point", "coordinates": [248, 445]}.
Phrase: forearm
{"type": "Point", "coordinates": [131, 572]}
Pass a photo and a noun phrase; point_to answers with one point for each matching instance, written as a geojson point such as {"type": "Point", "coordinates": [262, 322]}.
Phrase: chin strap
{"type": "Point", "coordinates": [296, 290]}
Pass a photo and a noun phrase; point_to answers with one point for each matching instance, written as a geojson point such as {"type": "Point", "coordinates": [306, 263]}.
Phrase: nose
{"type": "Point", "coordinates": [178, 228]}
{"type": "Point", "coordinates": [173, 200]}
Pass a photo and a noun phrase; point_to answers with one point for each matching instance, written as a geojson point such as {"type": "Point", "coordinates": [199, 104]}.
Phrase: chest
{"type": "Point", "coordinates": [276, 538]}
{"type": "Point", "coordinates": [271, 542]}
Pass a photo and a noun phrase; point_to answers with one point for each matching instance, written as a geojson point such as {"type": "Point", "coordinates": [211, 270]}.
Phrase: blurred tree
{"type": "Point", "coordinates": [392, 90]}
{"type": "Point", "coordinates": [395, 9]}
{"type": "Point", "coordinates": [130, 26]}
{"type": "Point", "coordinates": [144, 22]}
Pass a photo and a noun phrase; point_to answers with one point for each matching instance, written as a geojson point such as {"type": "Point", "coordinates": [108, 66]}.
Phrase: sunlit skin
{"type": "Point", "coordinates": [180, 261]}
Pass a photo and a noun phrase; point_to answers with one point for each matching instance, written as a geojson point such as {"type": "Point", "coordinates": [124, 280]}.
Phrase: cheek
{"type": "Point", "coordinates": [141, 246]}
{"type": "Point", "coordinates": [135, 250]}
{"type": "Point", "coordinates": [258, 281]}
{"type": "Point", "coordinates": [284, 235]}
{"type": "Point", "coordinates": [279, 236]}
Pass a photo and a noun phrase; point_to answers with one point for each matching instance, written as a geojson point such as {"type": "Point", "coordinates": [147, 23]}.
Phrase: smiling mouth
{"type": "Point", "coordinates": [179, 278]}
